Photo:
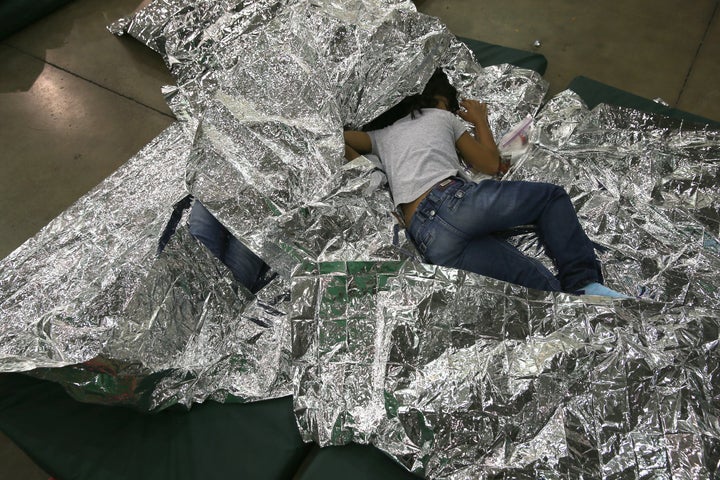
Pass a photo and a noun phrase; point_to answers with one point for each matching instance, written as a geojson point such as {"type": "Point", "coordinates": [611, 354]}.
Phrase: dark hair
{"type": "Point", "coordinates": [438, 85]}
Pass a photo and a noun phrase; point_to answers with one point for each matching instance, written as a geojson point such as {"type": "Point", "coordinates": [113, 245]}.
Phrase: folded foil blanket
{"type": "Point", "coordinates": [453, 374]}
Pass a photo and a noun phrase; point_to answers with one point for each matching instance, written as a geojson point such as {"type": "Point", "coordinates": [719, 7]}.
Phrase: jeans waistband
{"type": "Point", "coordinates": [443, 189]}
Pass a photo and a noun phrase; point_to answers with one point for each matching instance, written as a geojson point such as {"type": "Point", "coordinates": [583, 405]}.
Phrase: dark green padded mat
{"type": "Point", "coordinates": [488, 54]}
{"type": "Point", "coordinates": [351, 462]}
{"type": "Point", "coordinates": [16, 14]}
{"type": "Point", "coordinates": [593, 93]}
{"type": "Point", "coordinates": [72, 440]}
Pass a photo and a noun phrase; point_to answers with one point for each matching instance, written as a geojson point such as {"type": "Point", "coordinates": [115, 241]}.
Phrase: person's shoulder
{"type": "Point", "coordinates": [439, 112]}
{"type": "Point", "coordinates": [444, 116]}
{"type": "Point", "coordinates": [401, 121]}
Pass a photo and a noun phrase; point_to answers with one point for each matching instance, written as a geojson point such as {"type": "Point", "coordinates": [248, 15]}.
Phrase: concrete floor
{"type": "Point", "coordinates": [77, 102]}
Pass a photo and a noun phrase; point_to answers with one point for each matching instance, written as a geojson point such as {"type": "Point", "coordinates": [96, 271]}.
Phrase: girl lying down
{"type": "Point", "coordinates": [457, 223]}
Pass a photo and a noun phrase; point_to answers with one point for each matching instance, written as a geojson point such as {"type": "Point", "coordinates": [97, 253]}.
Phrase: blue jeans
{"type": "Point", "coordinates": [460, 225]}
{"type": "Point", "coordinates": [246, 267]}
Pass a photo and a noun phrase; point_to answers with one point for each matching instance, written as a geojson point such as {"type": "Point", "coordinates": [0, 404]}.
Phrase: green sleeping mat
{"type": "Point", "coordinates": [72, 440]}
{"type": "Point", "coordinates": [488, 54]}
{"type": "Point", "coordinates": [593, 93]}
{"type": "Point", "coordinates": [16, 14]}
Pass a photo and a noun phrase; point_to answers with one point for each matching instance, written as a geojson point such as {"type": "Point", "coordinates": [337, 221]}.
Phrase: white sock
{"type": "Point", "coordinates": [601, 290]}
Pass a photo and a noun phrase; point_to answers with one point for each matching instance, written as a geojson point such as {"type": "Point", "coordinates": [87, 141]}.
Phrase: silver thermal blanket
{"type": "Point", "coordinates": [452, 374]}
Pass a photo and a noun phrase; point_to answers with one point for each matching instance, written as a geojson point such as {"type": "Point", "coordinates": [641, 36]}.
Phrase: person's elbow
{"type": "Point", "coordinates": [358, 141]}
{"type": "Point", "coordinates": [487, 163]}
{"type": "Point", "coordinates": [482, 158]}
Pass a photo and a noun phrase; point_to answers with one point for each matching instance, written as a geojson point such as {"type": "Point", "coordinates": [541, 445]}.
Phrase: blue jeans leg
{"type": "Point", "coordinates": [245, 265]}
{"type": "Point", "coordinates": [208, 230]}
{"type": "Point", "coordinates": [505, 262]}
{"type": "Point", "coordinates": [242, 262]}
{"type": "Point", "coordinates": [450, 222]}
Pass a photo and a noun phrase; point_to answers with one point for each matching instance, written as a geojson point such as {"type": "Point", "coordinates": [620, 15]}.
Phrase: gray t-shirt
{"type": "Point", "coordinates": [418, 153]}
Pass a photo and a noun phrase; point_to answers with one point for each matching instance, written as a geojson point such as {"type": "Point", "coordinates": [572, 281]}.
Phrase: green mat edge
{"type": "Point", "coordinates": [594, 93]}
{"type": "Point", "coordinates": [17, 14]}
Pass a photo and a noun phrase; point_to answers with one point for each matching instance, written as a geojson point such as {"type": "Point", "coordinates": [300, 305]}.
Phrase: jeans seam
{"type": "Point", "coordinates": [424, 244]}
{"type": "Point", "coordinates": [416, 231]}
{"type": "Point", "coordinates": [536, 264]}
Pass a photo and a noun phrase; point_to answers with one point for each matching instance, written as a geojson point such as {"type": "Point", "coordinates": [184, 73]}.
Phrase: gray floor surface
{"type": "Point", "coordinates": [77, 102]}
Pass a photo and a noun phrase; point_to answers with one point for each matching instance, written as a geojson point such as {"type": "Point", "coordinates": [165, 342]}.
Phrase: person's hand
{"type": "Point", "coordinates": [473, 111]}
{"type": "Point", "coordinates": [503, 167]}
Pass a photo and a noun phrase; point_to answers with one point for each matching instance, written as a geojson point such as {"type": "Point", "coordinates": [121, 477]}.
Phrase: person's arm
{"type": "Point", "coordinates": [356, 143]}
{"type": "Point", "coordinates": [350, 153]}
{"type": "Point", "coordinates": [480, 151]}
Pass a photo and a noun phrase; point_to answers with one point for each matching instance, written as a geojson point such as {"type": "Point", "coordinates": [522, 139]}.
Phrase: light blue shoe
{"type": "Point", "coordinates": [601, 290]}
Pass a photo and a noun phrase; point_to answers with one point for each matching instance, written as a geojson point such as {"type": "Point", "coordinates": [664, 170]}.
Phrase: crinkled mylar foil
{"type": "Point", "coordinates": [64, 290]}
{"type": "Point", "coordinates": [128, 325]}
{"type": "Point", "coordinates": [461, 376]}
{"type": "Point", "coordinates": [452, 374]}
